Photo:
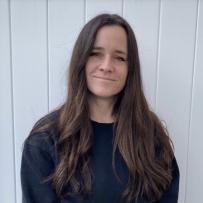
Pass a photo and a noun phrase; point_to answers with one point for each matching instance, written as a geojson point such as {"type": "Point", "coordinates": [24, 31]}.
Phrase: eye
{"type": "Point", "coordinates": [94, 54]}
{"type": "Point", "coordinates": [120, 58]}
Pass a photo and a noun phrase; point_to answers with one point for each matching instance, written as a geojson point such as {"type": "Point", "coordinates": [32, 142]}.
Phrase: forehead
{"type": "Point", "coordinates": [111, 35]}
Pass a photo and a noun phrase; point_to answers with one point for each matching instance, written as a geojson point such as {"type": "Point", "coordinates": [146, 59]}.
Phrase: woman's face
{"type": "Point", "coordinates": [107, 67]}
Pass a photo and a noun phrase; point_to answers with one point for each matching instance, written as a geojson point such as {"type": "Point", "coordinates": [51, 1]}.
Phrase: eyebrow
{"type": "Point", "coordinates": [116, 51]}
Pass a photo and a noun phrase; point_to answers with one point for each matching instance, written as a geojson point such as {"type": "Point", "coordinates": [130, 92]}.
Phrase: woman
{"type": "Point", "coordinates": [103, 144]}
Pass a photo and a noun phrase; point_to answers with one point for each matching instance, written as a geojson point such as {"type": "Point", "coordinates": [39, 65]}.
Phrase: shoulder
{"type": "Point", "coordinates": [44, 139]}
{"type": "Point", "coordinates": [175, 167]}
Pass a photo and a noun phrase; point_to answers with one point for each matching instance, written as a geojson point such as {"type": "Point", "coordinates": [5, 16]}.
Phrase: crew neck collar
{"type": "Point", "coordinates": [101, 123]}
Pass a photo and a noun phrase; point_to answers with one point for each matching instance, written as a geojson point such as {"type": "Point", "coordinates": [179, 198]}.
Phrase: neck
{"type": "Point", "coordinates": [101, 109]}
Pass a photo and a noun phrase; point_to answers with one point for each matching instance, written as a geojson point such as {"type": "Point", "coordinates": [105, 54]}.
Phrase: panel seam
{"type": "Point", "coordinates": [48, 66]}
{"type": "Point", "coordinates": [12, 100]}
{"type": "Point", "coordinates": [192, 96]}
{"type": "Point", "coordinates": [85, 12]}
{"type": "Point", "coordinates": [122, 7]}
{"type": "Point", "coordinates": [158, 54]}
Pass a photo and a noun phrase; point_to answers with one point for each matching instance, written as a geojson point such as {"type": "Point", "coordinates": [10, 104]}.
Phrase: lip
{"type": "Point", "coordinates": [104, 78]}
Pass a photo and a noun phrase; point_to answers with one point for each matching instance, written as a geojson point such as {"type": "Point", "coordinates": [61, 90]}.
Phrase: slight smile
{"type": "Point", "coordinates": [104, 78]}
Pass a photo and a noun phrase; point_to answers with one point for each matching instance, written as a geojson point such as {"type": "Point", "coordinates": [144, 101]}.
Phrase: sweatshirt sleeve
{"type": "Point", "coordinates": [36, 164]}
{"type": "Point", "coordinates": [171, 195]}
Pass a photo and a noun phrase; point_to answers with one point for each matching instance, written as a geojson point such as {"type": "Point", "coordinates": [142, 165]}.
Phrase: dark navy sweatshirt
{"type": "Point", "coordinates": [39, 160]}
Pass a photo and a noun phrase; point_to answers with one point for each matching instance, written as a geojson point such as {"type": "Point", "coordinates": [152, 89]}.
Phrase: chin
{"type": "Point", "coordinates": [103, 95]}
{"type": "Point", "coordinates": [104, 92]}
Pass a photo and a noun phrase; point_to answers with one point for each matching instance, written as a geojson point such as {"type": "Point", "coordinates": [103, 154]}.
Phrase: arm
{"type": "Point", "coordinates": [36, 164]}
{"type": "Point", "coordinates": [171, 195]}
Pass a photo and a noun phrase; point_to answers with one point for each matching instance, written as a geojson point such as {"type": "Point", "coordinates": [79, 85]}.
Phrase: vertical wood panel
{"type": "Point", "coordinates": [65, 19]}
{"type": "Point", "coordinates": [194, 186]}
{"type": "Point", "coordinates": [144, 19]}
{"type": "Point", "coordinates": [177, 41]}
{"type": "Point", "coordinates": [7, 175]}
{"type": "Point", "coordinates": [38, 78]}
{"type": "Point", "coordinates": [29, 52]}
{"type": "Point", "coordinates": [94, 8]}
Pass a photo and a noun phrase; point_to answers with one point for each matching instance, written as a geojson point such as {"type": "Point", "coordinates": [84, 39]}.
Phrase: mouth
{"type": "Point", "coordinates": [102, 78]}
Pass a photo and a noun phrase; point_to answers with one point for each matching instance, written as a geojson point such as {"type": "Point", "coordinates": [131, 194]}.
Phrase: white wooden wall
{"type": "Point", "coordinates": [36, 40]}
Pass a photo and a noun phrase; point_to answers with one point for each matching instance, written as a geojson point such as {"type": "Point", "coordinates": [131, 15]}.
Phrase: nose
{"type": "Point", "coordinates": [106, 64]}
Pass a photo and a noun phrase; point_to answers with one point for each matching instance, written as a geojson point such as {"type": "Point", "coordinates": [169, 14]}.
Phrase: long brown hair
{"type": "Point", "coordinates": [139, 135]}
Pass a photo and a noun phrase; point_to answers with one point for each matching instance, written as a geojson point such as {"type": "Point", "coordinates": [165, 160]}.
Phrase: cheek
{"type": "Point", "coordinates": [89, 80]}
{"type": "Point", "coordinates": [89, 68]}
{"type": "Point", "coordinates": [123, 77]}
